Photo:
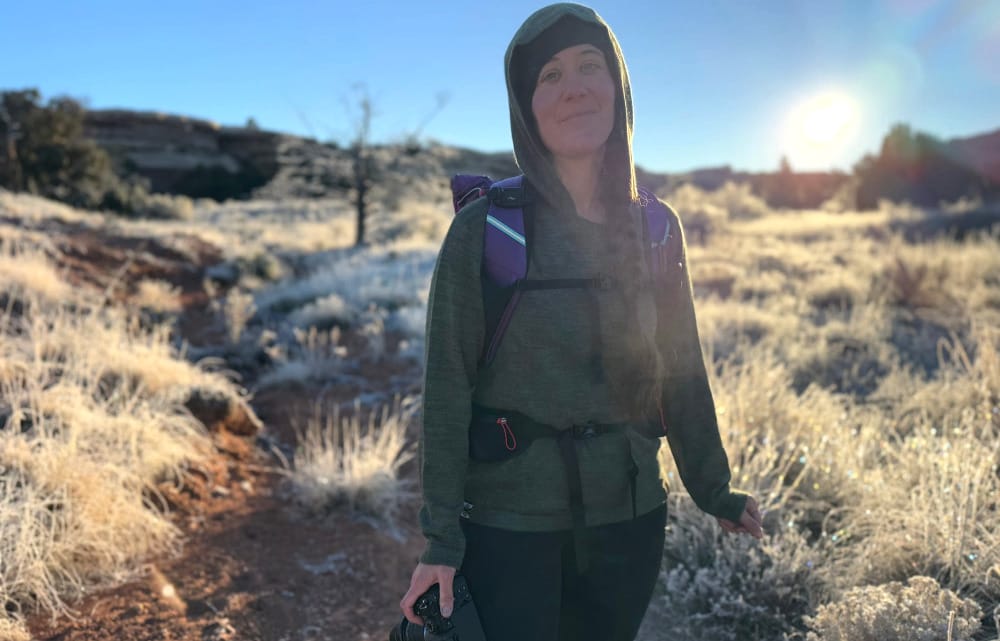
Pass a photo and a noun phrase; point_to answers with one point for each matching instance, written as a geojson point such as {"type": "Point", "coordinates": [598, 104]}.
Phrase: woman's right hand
{"type": "Point", "coordinates": [750, 523]}
{"type": "Point", "coordinates": [424, 576]}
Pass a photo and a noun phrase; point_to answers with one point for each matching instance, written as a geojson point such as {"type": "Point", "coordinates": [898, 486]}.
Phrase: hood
{"type": "Point", "coordinates": [530, 154]}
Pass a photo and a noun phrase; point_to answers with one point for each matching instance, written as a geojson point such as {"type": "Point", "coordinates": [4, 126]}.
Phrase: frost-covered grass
{"type": "Point", "coordinates": [920, 610]}
{"type": "Point", "coordinates": [91, 422]}
{"type": "Point", "coordinates": [857, 386]}
{"type": "Point", "coordinates": [856, 377]}
{"type": "Point", "coordinates": [378, 292]}
{"type": "Point", "coordinates": [339, 462]}
{"type": "Point", "coordinates": [857, 383]}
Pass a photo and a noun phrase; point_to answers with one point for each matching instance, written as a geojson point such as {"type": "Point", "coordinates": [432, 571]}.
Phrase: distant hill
{"type": "Point", "coordinates": [981, 153]}
{"type": "Point", "coordinates": [200, 158]}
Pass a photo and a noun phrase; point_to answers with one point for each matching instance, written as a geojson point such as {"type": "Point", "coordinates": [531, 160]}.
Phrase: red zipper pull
{"type": "Point", "coordinates": [508, 435]}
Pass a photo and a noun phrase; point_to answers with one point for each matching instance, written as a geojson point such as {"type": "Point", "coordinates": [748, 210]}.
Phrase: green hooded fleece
{"type": "Point", "coordinates": [549, 363]}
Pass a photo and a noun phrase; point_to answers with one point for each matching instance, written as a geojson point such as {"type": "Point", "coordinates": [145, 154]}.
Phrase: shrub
{"type": "Point", "coordinates": [723, 587]}
{"type": "Point", "coordinates": [162, 206]}
{"type": "Point", "coordinates": [919, 611]}
{"type": "Point", "coordinates": [700, 216]}
{"type": "Point", "coordinates": [337, 462]}
{"type": "Point", "coordinates": [238, 309]}
{"type": "Point", "coordinates": [914, 167]}
{"type": "Point", "coordinates": [51, 156]}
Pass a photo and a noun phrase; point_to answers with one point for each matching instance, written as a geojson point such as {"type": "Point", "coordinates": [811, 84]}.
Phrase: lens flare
{"type": "Point", "coordinates": [819, 128]}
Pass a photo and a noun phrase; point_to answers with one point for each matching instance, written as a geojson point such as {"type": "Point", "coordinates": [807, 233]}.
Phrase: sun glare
{"type": "Point", "coordinates": [820, 127]}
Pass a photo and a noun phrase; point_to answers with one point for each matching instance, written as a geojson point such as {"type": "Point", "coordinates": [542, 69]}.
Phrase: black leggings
{"type": "Point", "coordinates": [526, 587]}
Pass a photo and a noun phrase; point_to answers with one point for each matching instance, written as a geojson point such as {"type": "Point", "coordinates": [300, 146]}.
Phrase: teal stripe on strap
{"type": "Point", "coordinates": [496, 222]}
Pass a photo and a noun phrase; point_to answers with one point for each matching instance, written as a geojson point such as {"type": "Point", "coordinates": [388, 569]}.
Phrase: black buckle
{"type": "Point", "coordinates": [507, 197]}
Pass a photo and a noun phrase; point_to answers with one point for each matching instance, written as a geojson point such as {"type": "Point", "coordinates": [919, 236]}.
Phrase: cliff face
{"type": "Point", "coordinates": [187, 155]}
{"type": "Point", "coordinates": [167, 149]}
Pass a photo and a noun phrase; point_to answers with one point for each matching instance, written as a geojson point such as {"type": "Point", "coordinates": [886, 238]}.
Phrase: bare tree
{"type": "Point", "coordinates": [362, 164]}
{"type": "Point", "coordinates": [441, 99]}
{"type": "Point", "coordinates": [10, 166]}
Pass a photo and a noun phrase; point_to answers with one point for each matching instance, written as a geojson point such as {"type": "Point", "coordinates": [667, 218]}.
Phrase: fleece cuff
{"type": "Point", "coordinates": [438, 554]}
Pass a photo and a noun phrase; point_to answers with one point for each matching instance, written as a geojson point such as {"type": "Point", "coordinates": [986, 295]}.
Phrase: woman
{"type": "Point", "coordinates": [629, 355]}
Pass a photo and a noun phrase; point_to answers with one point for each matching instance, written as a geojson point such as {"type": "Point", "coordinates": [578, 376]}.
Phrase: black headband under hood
{"type": "Point", "coordinates": [545, 33]}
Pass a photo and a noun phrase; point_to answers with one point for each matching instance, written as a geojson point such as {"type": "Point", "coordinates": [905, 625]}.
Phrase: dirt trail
{"type": "Point", "coordinates": [253, 566]}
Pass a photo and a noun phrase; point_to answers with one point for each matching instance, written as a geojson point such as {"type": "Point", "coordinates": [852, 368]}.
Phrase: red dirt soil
{"type": "Point", "coordinates": [254, 566]}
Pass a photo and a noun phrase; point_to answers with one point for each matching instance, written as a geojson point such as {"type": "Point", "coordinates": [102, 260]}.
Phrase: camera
{"type": "Point", "coordinates": [462, 625]}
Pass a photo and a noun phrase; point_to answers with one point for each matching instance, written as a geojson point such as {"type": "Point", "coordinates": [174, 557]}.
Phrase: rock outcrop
{"type": "Point", "coordinates": [171, 151]}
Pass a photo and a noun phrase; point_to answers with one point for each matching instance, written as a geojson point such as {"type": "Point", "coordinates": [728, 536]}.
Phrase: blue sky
{"type": "Point", "coordinates": [714, 82]}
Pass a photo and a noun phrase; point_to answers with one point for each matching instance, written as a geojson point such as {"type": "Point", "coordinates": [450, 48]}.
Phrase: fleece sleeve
{"type": "Point", "coordinates": [453, 342]}
{"type": "Point", "coordinates": [689, 410]}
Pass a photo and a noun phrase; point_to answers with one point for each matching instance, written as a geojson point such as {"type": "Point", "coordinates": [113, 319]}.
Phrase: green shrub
{"type": "Point", "coordinates": [49, 156]}
{"type": "Point", "coordinates": [43, 151]}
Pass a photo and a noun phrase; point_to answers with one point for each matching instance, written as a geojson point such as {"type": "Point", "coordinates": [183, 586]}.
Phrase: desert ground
{"type": "Point", "coordinates": [209, 424]}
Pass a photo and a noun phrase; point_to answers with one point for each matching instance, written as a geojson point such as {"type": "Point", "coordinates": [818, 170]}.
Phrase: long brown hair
{"type": "Point", "coordinates": [632, 369]}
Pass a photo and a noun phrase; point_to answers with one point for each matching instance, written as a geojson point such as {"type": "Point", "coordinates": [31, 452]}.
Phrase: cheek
{"type": "Point", "coordinates": [541, 109]}
{"type": "Point", "coordinates": [606, 90]}
{"type": "Point", "coordinates": [541, 104]}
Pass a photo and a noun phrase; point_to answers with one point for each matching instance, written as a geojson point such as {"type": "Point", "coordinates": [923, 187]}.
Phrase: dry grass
{"type": "Point", "coordinates": [91, 421]}
{"type": "Point", "coordinates": [25, 270]}
{"type": "Point", "coordinates": [238, 309]}
{"type": "Point", "coordinates": [856, 376]}
{"type": "Point", "coordinates": [339, 462]}
{"type": "Point", "coordinates": [857, 383]}
{"type": "Point", "coordinates": [157, 295]}
{"type": "Point", "coordinates": [920, 609]}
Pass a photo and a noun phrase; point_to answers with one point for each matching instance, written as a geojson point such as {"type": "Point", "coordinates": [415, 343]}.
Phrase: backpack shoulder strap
{"type": "Point", "coordinates": [505, 259]}
{"type": "Point", "coordinates": [660, 228]}
{"type": "Point", "coordinates": [505, 245]}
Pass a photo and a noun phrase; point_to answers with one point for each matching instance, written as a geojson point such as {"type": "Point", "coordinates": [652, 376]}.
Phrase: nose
{"type": "Point", "coordinates": [575, 85]}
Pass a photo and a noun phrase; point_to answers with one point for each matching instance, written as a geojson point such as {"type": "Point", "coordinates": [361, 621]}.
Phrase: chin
{"type": "Point", "coordinates": [579, 148]}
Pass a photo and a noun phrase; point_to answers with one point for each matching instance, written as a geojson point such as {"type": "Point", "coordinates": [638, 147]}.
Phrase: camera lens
{"type": "Point", "coordinates": [406, 631]}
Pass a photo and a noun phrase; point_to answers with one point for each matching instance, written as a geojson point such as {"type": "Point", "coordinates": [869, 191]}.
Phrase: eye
{"type": "Point", "coordinates": [590, 67]}
{"type": "Point", "coordinates": [550, 75]}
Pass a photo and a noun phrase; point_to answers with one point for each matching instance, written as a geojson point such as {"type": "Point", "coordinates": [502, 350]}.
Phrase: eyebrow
{"type": "Point", "coordinates": [582, 53]}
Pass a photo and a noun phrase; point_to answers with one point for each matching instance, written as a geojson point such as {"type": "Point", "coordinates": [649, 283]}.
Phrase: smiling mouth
{"type": "Point", "coordinates": [577, 115]}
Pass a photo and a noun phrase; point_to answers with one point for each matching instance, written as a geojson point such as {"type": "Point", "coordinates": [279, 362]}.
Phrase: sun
{"type": "Point", "coordinates": [819, 127]}
{"type": "Point", "coordinates": [827, 118]}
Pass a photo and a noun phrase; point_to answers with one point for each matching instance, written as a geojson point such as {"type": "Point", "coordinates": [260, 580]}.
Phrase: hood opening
{"type": "Point", "coordinates": [543, 34]}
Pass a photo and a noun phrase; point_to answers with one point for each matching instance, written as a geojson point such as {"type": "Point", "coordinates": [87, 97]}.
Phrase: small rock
{"type": "Point", "coordinates": [218, 410]}
{"type": "Point", "coordinates": [225, 274]}
{"type": "Point", "coordinates": [220, 630]}
{"type": "Point", "coordinates": [198, 608]}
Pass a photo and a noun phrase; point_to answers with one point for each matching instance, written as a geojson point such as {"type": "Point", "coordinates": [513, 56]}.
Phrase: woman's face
{"type": "Point", "coordinates": [574, 102]}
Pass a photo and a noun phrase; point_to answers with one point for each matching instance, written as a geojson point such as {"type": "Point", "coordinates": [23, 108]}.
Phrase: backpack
{"type": "Point", "coordinates": [507, 250]}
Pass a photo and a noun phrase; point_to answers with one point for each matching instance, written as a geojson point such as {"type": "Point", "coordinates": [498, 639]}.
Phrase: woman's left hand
{"type": "Point", "coordinates": [750, 521]}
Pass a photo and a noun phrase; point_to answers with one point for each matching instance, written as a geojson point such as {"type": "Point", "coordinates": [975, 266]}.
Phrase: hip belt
{"type": "Point", "coordinates": [497, 435]}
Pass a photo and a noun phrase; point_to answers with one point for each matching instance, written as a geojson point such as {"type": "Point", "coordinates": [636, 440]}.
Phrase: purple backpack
{"type": "Point", "coordinates": [506, 249]}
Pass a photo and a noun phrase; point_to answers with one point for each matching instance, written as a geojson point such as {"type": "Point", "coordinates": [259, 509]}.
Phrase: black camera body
{"type": "Point", "coordinates": [462, 625]}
